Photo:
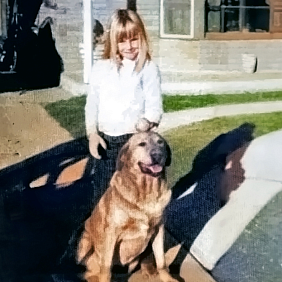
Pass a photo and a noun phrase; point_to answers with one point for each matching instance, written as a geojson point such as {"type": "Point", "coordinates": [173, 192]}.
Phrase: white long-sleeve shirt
{"type": "Point", "coordinates": [118, 99]}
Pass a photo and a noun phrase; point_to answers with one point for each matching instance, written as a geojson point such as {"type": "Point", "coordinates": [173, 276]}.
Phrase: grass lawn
{"type": "Point", "coordinates": [179, 102]}
{"type": "Point", "coordinates": [186, 141]}
{"type": "Point", "coordinates": [70, 113]}
{"type": "Point", "coordinates": [261, 239]}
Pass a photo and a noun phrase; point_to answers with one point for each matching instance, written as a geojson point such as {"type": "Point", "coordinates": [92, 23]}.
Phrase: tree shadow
{"type": "Point", "coordinates": [198, 195]}
{"type": "Point", "coordinates": [39, 211]}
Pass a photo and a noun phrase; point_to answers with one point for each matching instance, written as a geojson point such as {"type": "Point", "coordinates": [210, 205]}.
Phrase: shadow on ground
{"type": "Point", "coordinates": [37, 223]}
{"type": "Point", "coordinates": [40, 211]}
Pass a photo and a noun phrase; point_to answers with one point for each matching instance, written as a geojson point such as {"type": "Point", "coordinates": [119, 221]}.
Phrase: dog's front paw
{"type": "Point", "coordinates": [104, 277]}
{"type": "Point", "coordinates": [143, 125]}
{"type": "Point", "coordinates": [148, 270]}
{"type": "Point", "coordinates": [92, 279]}
{"type": "Point", "coordinates": [165, 276]}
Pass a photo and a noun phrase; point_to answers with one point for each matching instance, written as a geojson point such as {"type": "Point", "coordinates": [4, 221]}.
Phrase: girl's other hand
{"type": "Point", "coordinates": [94, 141]}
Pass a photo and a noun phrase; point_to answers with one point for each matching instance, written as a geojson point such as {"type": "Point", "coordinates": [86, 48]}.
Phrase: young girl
{"type": "Point", "coordinates": [125, 94]}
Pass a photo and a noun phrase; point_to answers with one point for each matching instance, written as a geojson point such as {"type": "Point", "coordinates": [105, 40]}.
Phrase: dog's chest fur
{"type": "Point", "coordinates": [147, 198]}
{"type": "Point", "coordinates": [154, 207]}
{"type": "Point", "coordinates": [139, 216]}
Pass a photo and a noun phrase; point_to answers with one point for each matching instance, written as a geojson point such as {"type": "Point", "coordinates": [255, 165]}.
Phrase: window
{"type": "Point", "coordinates": [245, 15]}
{"type": "Point", "coordinates": [177, 18]}
{"type": "Point", "coordinates": [238, 16]}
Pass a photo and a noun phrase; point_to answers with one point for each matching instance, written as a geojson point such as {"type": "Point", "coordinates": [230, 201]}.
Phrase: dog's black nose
{"type": "Point", "coordinates": [156, 156]}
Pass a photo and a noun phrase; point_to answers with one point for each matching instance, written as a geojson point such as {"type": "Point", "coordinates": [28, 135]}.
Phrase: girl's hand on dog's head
{"type": "Point", "coordinates": [94, 141]}
{"type": "Point", "coordinates": [145, 125]}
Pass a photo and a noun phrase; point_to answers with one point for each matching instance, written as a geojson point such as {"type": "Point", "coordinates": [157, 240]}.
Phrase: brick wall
{"type": "Point", "coordinates": [209, 55]}
{"type": "Point", "coordinates": [227, 55]}
{"type": "Point", "coordinates": [68, 33]}
{"type": "Point", "coordinates": [150, 13]}
{"type": "Point", "coordinates": [103, 9]}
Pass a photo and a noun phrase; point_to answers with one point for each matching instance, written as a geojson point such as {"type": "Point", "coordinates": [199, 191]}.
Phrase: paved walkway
{"type": "Point", "coordinates": [261, 165]}
{"type": "Point", "coordinates": [26, 129]}
{"type": "Point", "coordinates": [185, 117]}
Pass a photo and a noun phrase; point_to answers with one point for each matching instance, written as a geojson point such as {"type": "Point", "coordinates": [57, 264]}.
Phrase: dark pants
{"type": "Point", "coordinates": [105, 168]}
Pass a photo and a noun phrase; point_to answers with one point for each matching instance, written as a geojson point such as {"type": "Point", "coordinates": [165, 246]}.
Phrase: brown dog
{"type": "Point", "coordinates": [129, 215]}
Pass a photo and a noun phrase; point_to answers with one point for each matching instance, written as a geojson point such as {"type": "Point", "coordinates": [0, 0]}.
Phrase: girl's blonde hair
{"type": "Point", "coordinates": [126, 24]}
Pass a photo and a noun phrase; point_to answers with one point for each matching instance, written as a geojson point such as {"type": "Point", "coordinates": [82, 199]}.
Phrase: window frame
{"type": "Point", "coordinates": [177, 36]}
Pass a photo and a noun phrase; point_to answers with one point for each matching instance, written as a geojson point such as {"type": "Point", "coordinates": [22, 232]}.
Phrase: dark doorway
{"type": "Point", "coordinates": [131, 5]}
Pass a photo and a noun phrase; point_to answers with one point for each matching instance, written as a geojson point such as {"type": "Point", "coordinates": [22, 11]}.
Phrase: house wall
{"type": "Point", "coordinates": [199, 54]}
{"type": "Point", "coordinates": [103, 9]}
{"type": "Point", "coordinates": [227, 55]}
{"type": "Point", "coordinates": [172, 55]}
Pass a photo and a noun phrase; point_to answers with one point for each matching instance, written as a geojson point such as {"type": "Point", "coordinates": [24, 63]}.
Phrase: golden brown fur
{"type": "Point", "coordinates": [129, 215]}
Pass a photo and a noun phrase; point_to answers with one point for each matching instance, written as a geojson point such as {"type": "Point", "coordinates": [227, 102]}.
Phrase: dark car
{"type": "Point", "coordinates": [28, 56]}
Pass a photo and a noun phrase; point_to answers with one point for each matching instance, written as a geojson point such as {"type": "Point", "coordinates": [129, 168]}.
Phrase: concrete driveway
{"type": "Point", "coordinates": [26, 128]}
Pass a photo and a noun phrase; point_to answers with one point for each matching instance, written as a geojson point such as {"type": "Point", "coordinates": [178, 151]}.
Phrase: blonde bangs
{"type": "Point", "coordinates": [127, 31]}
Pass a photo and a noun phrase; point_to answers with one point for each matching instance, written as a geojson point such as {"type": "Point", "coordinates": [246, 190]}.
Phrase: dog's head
{"type": "Point", "coordinates": [147, 152]}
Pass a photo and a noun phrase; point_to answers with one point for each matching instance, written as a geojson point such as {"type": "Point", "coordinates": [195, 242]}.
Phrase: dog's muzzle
{"type": "Point", "coordinates": [153, 169]}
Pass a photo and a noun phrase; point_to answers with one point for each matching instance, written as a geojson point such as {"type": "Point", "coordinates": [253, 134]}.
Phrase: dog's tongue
{"type": "Point", "coordinates": [155, 168]}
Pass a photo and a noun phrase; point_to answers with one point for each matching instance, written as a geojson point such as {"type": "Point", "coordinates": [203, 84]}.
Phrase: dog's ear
{"type": "Point", "coordinates": [168, 155]}
{"type": "Point", "coordinates": [122, 156]}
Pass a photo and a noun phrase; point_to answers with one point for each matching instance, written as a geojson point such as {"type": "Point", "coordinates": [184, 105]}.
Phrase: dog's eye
{"type": "Point", "coordinates": [160, 141]}
{"type": "Point", "coordinates": [142, 144]}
